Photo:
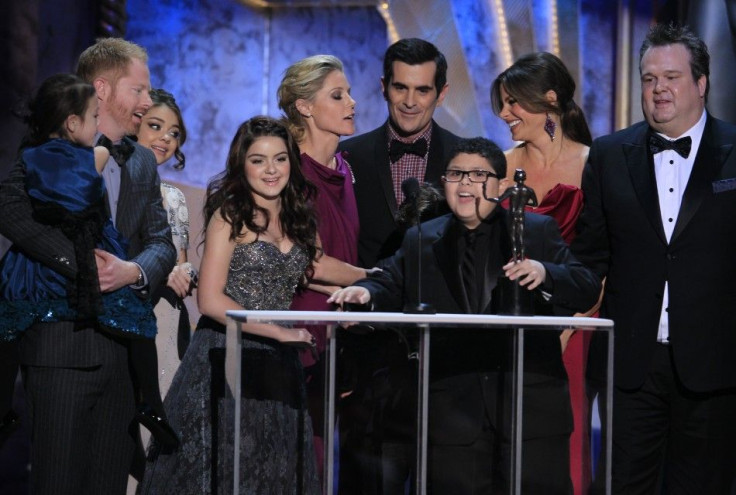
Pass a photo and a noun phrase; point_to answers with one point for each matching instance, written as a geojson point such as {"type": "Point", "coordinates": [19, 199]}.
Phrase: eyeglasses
{"type": "Point", "coordinates": [452, 175]}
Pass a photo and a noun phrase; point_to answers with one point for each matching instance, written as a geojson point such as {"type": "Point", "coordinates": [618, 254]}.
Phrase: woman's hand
{"type": "Point", "coordinates": [180, 279]}
{"type": "Point", "coordinates": [295, 336]}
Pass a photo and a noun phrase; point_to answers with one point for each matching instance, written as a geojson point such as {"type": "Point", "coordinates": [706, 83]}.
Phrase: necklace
{"type": "Point", "coordinates": [333, 163]}
{"type": "Point", "coordinates": [350, 169]}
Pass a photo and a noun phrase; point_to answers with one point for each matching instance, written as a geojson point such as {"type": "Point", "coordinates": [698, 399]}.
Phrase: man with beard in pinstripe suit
{"type": "Point", "coordinates": [77, 379]}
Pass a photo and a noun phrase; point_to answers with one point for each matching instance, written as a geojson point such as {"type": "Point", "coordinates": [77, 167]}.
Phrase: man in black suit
{"type": "Point", "coordinates": [408, 144]}
{"type": "Point", "coordinates": [468, 408]}
{"type": "Point", "coordinates": [77, 379]}
{"type": "Point", "coordinates": [659, 223]}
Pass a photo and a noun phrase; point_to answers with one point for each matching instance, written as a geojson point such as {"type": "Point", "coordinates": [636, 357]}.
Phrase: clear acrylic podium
{"type": "Point", "coordinates": [518, 328]}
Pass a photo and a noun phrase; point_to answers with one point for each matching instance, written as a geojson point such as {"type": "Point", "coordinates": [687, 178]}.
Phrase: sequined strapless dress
{"type": "Point", "coordinates": [277, 453]}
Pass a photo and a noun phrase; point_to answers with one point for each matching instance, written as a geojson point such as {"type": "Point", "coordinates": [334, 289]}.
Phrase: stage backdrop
{"type": "Point", "coordinates": [223, 59]}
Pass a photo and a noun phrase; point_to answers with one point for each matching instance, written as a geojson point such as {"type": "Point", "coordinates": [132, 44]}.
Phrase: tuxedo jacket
{"type": "Point", "coordinates": [374, 191]}
{"type": "Point", "coordinates": [140, 218]}
{"type": "Point", "coordinates": [620, 236]}
{"type": "Point", "coordinates": [464, 363]}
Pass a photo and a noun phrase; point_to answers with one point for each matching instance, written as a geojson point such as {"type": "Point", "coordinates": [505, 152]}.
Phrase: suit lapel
{"type": "Point", "coordinates": [641, 171]}
{"type": "Point", "coordinates": [383, 166]}
{"type": "Point", "coordinates": [436, 158]}
{"type": "Point", "coordinates": [447, 256]}
{"type": "Point", "coordinates": [493, 270]}
{"type": "Point", "coordinates": [708, 163]}
{"type": "Point", "coordinates": [728, 169]}
{"type": "Point", "coordinates": [125, 198]}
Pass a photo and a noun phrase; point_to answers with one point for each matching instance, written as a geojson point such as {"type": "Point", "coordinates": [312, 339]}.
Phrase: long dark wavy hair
{"type": "Point", "coordinates": [529, 79]}
{"type": "Point", "coordinates": [230, 192]}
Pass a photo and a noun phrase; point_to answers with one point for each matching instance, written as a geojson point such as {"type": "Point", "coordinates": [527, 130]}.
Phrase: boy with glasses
{"type": "Point", "coordinates": [464, 253]}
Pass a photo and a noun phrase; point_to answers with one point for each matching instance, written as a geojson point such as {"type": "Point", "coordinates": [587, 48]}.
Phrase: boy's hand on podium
{"type": "Point", "coordinates": [352, 294]}
{"type": "Point", "coordinates": [530, 273]}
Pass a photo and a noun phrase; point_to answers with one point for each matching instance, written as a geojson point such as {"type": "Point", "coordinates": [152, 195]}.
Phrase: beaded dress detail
{"type": "Point", "coordinates": [172, 317]}
{"type": "Point", "coordinates": [277, 453]}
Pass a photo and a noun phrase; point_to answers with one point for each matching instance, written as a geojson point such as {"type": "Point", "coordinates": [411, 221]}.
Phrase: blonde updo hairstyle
{"type": "Point", "coordinates": [301, 81]}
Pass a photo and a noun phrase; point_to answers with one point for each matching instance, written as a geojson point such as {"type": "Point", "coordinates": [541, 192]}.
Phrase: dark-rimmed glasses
{"type": "Point", "coordinates": [452, 175]}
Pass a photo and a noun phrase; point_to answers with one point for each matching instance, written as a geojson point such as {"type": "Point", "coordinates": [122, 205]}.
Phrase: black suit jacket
{"type": "Point", "coordinates": [140, 218]}
{"type": "Point", "coordinates": [620, 235]}
{"type": "Point", "coordinates": [374, 190]}
{"type": "Point", "coordinates": [461, 360]}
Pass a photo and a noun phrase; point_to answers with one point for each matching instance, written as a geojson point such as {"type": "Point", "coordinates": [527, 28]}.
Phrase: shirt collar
{"type": "Point", "coordinates": [392, 134]}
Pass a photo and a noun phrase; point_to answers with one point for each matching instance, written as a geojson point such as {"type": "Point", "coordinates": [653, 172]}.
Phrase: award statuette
{"type": "Point", "coordinates": [515, 299]}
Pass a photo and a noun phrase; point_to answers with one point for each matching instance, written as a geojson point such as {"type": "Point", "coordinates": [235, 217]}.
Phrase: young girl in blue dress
{"type": "Point", "coordinates": [64, 182]}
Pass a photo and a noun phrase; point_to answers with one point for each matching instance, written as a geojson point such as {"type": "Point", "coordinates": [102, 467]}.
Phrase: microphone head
{"type": "Point", "coordinates": [410, 188]}
{"type": "Point", "coordinates": [427, 199]}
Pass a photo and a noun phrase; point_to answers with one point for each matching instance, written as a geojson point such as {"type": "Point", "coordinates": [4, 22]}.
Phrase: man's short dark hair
{"type": "Point", "coordinates": [485, 148]}
{"type": "Point", "coordinates": [414, 51]}
{"type": "Point", "coordinates": [670, 34]}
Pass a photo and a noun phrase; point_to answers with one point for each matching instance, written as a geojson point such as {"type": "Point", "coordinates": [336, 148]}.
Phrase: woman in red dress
{"type": "Point", "coordinates": [535, 98]}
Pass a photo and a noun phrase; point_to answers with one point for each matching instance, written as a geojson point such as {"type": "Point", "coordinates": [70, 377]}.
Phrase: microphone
{"type": "Point", "coordinates": [411, 189]}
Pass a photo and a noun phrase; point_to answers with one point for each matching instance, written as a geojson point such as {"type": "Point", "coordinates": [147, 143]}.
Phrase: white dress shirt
{"type": "Point", "coordinates": [673, 173]}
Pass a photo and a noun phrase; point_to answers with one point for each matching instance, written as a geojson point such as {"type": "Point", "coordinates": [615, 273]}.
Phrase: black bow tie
{"type": "Point", "coordinates": [397, 148]}
{"type": "Point", "coordinates": [658, 144]}
{"type": "Point", "coordinates": [119, 152]}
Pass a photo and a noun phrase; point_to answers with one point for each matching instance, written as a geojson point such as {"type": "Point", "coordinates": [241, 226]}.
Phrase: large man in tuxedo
{"type": "Point", "coordinates": [408, 144]}
{"type": "Point", "coordinates": [468, 425]}
{"type": "Point", "coordinates": [77, 379]}
{"type": "Point", "coordinates": [659, 223]}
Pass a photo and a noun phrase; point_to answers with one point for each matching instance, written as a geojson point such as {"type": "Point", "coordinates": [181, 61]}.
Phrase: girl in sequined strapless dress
{"type": "Point", "coordinates": [260, 240]}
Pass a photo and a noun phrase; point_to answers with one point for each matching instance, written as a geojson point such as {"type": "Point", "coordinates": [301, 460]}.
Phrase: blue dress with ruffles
{"type": "Point", "coordinates": [67, 191]}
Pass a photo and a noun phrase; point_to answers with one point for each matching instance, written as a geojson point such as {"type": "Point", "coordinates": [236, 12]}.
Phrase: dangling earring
{"type": "Point", "coordinates": [550, 126]}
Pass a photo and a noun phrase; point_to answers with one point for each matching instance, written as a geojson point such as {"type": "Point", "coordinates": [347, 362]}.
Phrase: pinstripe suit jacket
{"type": "Point", "coordinates": [140, 218]}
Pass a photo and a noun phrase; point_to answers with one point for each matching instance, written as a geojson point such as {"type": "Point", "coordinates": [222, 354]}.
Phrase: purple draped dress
{"type": "Point", "coordinates": [337, 218]}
